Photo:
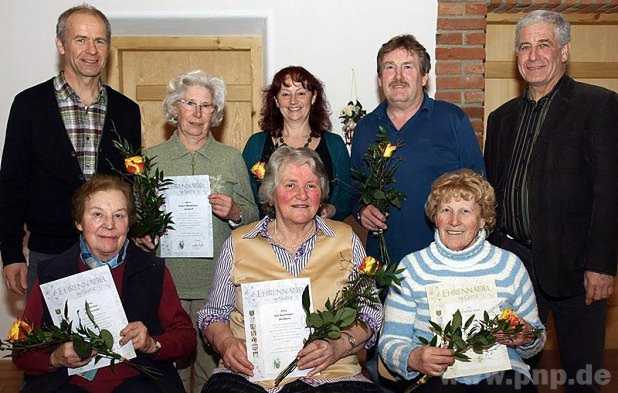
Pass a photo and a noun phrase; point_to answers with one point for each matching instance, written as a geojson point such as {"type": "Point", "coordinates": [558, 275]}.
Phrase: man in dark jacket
{"type": "Point", "coordinates": [59, 134]}
{"type": "Point", "coordinates": [551, 156]}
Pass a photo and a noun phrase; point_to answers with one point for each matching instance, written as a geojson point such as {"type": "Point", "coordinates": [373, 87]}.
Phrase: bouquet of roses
{"type": "Point", "coordinates": [23, 338]}
{"type": "Point", "coordinates": [473, 334]}
{"type": "Point", "coordinates": [148, 186]}
{"type": "Point", "coordinates": [343, 311]}
{"type": "Point", "coordinates": [350, 115]}
{"type": "Point", "coordinates": [376, 184]}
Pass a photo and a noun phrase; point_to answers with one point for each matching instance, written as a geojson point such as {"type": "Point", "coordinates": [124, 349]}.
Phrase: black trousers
{"type": "Point", "coordinates": [138, 384]}
{"type": "Point", "coordinates": [232, 383]}
{"type": "Point", "coordinates": [580, 330]}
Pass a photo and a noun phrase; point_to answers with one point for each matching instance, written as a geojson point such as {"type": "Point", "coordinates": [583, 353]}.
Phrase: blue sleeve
{"type": "Point", "coordinates": [399, 336]}
{"type": "Point", "coordinates": [469, 150]}
{"type": "Point", "coordinates": [341, 192]}
{"type": "Point", "coordinates": [252, 154]}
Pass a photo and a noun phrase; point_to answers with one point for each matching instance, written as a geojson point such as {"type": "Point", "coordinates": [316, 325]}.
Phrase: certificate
{"type": "Point", "coordinates": [95, 286]}
{"type": "Point", "coordinates": [275, 325]}
{"type": "Point", "coordinates": [187, 200]}
{"type": "Point", "coordinates": [470, 297]}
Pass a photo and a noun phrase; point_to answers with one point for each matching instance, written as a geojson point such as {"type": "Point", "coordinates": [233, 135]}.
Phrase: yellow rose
{"type": "Point", "coordinates": [389, 150]}
{"type": "Point", "coordinates": [18, 331]}
{"type": "Point", "coordinates": [369, 266]}
{"type": "Point", "coordinates": [508, 315]}
{"type": "Point", "coordinates": [134, 165]}
{"type": "Point", "coordinates": [259, 170]}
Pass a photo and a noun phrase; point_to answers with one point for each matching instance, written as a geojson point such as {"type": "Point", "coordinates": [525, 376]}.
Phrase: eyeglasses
{"type": "Point", "coordinates": [191, 105]}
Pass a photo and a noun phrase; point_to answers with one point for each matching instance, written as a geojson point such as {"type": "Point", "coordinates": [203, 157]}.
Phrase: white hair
{"type": "Point", "coordinates": [562, 28]}
{"type": "Point", "coordinates": [176, 89]}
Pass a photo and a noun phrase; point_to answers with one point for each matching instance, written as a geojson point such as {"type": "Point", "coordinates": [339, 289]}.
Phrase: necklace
{"type": "Point", "coordinates": [281, 141]}
{"type": "Point", "coordinates": [291, 246]}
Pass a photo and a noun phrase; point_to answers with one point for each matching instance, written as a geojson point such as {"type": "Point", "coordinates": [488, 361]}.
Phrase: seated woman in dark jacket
{"type": "Point", "coordinates": [160, 330]}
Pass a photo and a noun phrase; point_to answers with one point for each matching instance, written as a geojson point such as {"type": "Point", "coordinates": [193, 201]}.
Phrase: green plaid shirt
{"type": "Point", "coordinates": [84, 124]}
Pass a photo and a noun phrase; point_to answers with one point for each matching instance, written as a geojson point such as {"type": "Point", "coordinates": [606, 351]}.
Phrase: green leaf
{"type": "Point", "coordinates": [108, 339]}
{"type": "Point", "coordinates": [461, 357]}
{"type": "Point", "coordinates": [459, 342]}
{"type": "Point", "coordinates": [90, 316]}
{"type": "Point", "coordinates": [435, 327]}
{"type": "Point", "coordinates": [306, 300]}
{"type": "Point", "coordinates": [334, 332]}
{"type": "Point", "coordinates": [315, 321]}
{"type": "Point", "coordinates": [348, 317]}
{"type": "Point", "coordinates": [485, 317]}
{"type": "Point", "coordinates": [82, 348]}
{"type": "Point", "coordinates": [66, 310]}
{"type": "Point", "coordinates": [379, 195]}
{"type": "Point", "coordinates": [456, 320]}
{"type": "Point", "coordinates": [434, 341]}
{"type": "Point", "coordinates": [423, 340]}
{"type": "Point", "coordinates": [469, 322]}
{"type": "Point", "coordinates": [447, 328]}
{"type": "Point", "coordinates": [328, 317]}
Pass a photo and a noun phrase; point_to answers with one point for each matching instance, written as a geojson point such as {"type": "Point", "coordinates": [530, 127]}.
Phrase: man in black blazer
{"type": "Point", "coordinates": [552, 156]}
{"type": "Point", "coordinates": [59, 134]}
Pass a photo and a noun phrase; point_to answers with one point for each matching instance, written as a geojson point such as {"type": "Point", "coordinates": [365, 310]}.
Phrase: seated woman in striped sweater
{"type": "Point", "coordinates": [462, 207]}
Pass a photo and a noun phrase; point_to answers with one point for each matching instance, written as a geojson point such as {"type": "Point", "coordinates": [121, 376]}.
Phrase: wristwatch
{"type": "Point", "coordinates": [358, 216]}
{"type": "Point", "coordinates": [351, 339]}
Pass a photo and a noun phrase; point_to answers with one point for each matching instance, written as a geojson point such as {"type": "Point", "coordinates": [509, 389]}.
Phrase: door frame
{"type": "Point", "coordinates": [253, 44]}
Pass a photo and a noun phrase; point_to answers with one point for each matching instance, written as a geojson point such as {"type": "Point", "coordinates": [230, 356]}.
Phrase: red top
{"type": "Point", "coordinates": [177, 341]}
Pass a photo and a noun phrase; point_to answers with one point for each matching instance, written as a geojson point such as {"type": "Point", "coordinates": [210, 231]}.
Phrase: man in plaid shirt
{"type": "Point", "coordinates": [59, 134]}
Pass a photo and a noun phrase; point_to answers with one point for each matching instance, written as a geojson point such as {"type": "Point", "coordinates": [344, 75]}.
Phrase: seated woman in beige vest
{"type": "Point", "coordinates": [292, 241]}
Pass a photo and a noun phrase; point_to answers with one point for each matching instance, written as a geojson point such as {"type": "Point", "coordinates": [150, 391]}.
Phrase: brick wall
{"type": "Point", "coordinates": [460, 45]}
{"type": "Point", "coordinates": [460, 55]}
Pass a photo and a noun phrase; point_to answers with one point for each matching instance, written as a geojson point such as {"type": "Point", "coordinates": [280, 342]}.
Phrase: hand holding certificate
{"type": "Point", "coordinates": [187, 200]}
{"type": "Point", "coordinates": [88, 314]}
{"type": "Point", "coordinates": [466, 300]}
{"type": "Point", "coordinates": [274, 325]}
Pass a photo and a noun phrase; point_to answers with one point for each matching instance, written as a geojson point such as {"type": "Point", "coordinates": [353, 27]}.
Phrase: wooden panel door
{"type": "Point", "coordinates": [141, 67]}
{"type": "Point", "coordinates": [593, 59]}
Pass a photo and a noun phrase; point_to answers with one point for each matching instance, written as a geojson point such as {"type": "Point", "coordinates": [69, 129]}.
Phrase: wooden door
{"type": "Point", "coordinates": [141, 67]}
{"type": "Point", "coordinates": [593, 59]}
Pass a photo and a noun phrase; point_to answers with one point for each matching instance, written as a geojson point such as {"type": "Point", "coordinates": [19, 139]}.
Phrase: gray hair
{"type": "Point", "coordinates": [562, 28]}
{"type": "Point", "coordinates": [176, 89]}
{"type": "Point", "coordinates": [61, 25]}
{"type": "Point", "coordinates": [282, 157]}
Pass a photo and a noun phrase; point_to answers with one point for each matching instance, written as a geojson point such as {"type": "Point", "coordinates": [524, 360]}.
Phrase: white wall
{"type": "Point", "coordinates": [328, 37]}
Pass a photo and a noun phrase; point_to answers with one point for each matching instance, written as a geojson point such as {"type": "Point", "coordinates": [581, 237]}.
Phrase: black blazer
{"type": "Point", "coordinates": [572, 182]}
{"type": "Point", "coordinates": [40, 171]}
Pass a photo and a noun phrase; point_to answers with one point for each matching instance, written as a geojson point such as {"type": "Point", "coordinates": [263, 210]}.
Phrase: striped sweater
{"type": "Point", "coordinates": [407, 309]}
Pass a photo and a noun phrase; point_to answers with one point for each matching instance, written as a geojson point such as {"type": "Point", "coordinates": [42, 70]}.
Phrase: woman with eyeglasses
{"type": "Point", "coordinates": [295, 113]}
{"type": "Point", "coordinates": [194, 104]}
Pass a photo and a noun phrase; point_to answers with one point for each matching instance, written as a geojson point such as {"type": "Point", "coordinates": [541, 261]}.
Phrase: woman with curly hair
{"type": "Point", "coordinates": [295, 113]}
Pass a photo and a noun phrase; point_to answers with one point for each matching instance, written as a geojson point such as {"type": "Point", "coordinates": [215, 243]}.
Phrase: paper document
{"type": "Point", "coordinates": [470, 297]}
{"type": "Point", "coordinates": [275, 325]}
{"type": "Point", "coordinates": [187, 200]}
{"type": "Point", "coordinates": [95, 286]}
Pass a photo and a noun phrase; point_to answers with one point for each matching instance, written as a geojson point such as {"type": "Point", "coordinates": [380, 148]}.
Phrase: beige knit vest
{"type": "Point", "coordinates": [328, 268]}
